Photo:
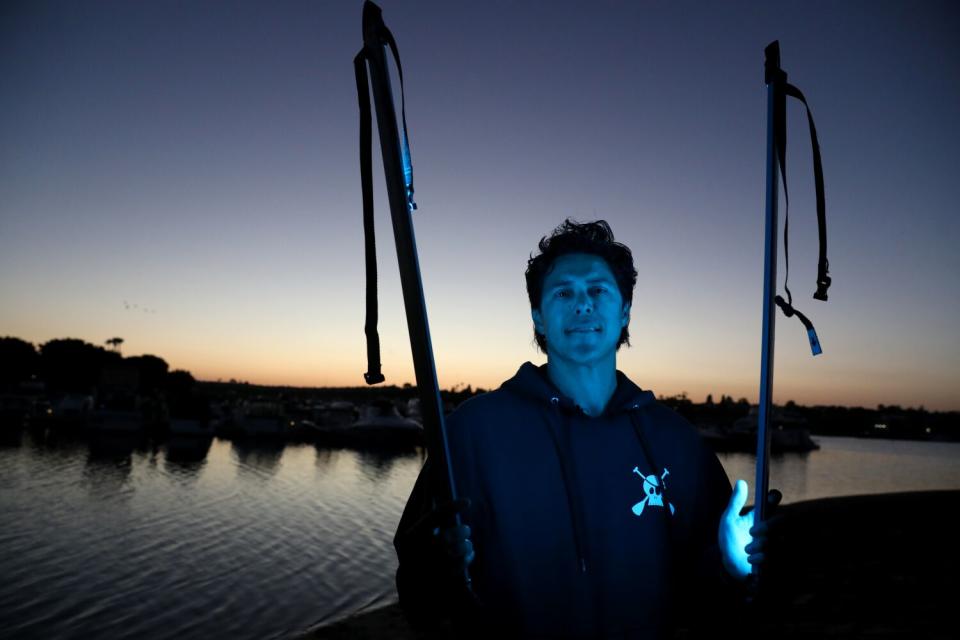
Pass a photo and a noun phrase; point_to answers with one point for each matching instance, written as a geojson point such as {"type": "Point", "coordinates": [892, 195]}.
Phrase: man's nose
{"type": "Point", "coordinates": [584, 304]}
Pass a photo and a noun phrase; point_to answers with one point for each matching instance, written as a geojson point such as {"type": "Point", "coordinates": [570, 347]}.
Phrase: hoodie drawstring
{"type": "Point", "coordinates": [561, 443]}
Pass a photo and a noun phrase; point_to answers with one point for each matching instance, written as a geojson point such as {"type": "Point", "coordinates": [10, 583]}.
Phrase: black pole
{"type": "Point", "coordinates": [375, 39]}
{"type": "Point", "coordinates": [775, 80]}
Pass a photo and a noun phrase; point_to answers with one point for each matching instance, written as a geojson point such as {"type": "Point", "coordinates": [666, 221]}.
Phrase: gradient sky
{"type": "Point", "coordinates": [185, 175]}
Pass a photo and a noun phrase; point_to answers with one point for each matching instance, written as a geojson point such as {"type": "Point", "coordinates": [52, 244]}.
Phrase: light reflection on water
{"type": "Point", "coordinates": [855, 466]}
{"type": "Point", "coordinates": [119, 537]}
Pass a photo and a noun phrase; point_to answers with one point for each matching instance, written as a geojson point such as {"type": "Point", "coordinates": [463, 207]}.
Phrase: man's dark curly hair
{"type": "Point", "coordinates": [595, 238]}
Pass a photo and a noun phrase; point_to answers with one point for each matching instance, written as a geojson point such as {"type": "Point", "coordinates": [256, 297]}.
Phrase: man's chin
{"type": "Point", "coordinates": [581, 354]}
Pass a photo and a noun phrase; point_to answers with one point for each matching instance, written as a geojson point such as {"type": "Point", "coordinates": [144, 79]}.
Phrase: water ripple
{"type": "Point", "coordinates": [250, 540]}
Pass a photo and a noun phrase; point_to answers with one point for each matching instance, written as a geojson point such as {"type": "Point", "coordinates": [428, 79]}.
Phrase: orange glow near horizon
{"type": "Point", "coordinates": [698, 356]}
{"type": "Point", "coordinates": [662, 366]}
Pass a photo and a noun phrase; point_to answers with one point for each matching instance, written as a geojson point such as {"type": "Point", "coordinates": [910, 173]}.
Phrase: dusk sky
{"type": "Point", "coordinates": [185, 175]}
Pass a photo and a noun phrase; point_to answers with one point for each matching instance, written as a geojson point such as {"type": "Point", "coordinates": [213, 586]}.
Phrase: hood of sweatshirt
{"type": "Point", "coordinates": [533, 383]}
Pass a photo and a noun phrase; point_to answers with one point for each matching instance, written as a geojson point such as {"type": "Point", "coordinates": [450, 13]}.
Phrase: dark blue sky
{"type": "Point", "coordinates": [199, 160]}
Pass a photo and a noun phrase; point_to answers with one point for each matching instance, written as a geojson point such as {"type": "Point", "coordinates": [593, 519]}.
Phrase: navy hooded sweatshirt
{"type": "Point", "coordinates": [583, 526]}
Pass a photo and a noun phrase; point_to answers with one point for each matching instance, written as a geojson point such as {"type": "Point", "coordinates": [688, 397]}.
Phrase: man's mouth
{"type": "Point", "coordinates": [583, 330]}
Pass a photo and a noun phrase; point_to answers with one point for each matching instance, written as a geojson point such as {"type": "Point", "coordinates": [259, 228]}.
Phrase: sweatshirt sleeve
{"type": "Point", "coordinates": [424, 583]}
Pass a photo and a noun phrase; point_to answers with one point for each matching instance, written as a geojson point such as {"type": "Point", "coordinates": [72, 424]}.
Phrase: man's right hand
{"type": "Point", "coordinates": [435, 554]}
{"type": "Point", "coordinates": [457, 544]}
{"type": "Point", "coordinates": [454, 541]}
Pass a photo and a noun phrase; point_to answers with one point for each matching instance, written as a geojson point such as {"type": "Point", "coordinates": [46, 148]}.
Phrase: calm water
{"type": "Point", "coordinates": [117, 539]}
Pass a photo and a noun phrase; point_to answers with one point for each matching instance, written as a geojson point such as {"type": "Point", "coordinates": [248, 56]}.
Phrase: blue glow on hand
{"type": "Point", "coordinates": [734, 533]}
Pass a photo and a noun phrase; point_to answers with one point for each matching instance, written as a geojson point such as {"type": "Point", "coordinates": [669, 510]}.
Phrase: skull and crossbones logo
{"type": "Point", "coordinates": [653, 487]}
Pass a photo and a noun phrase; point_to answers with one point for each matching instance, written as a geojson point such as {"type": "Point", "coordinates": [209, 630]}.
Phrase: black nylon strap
{"type": "Point", "coordinates": [823, 265]}
{"type": "Point", "coordinates": [373, 374]}
{"type": "Point", "coordinates": [789, 311]}
{"type": "Point", "coordinates": [780, 132]}
{"type": "Point", "coordinates": [405, 143]}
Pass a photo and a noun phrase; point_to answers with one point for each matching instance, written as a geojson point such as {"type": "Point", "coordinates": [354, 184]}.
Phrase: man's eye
{"type": "Point", "coordinates": [561, 293]}
{"type": "Point", "coordinates": [599, 289]}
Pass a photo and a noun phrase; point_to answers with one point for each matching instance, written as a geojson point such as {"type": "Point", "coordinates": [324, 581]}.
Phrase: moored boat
{"type": "Point", "coordinates": [380, 424]}
{"type": "Point", "coordinates": [261, 418]}
{"type": "Point", "coordinates": [788, 434]}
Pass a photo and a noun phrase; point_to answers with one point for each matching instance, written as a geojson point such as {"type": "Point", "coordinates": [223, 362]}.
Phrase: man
{"type": "Point", "coordinates": [589, 509]}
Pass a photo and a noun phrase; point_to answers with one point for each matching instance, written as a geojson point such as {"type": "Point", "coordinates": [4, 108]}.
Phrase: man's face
{"type": "Point", "coordinates": [581, 311]}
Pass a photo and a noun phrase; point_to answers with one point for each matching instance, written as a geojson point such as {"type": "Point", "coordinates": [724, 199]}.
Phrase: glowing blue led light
{"type": "Point", "coordinates": [407, 172]}
{"type": "Point", "coordinates": [407, 165]}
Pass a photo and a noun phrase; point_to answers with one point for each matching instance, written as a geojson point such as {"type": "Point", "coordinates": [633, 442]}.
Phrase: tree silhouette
{"type": "Point", "coordinates": [152, 371]}
{"type": "Point", "coordinates": [69, 364]}
{"type": "Point", "coordinates": [18, 360]}
{"type": "Point", "coordinates": [115, 343]}
{"type": "Point", "coordinates": [179, 383]}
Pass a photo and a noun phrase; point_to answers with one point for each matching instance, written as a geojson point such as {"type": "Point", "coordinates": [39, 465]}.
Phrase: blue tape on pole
{"type": "Point", "coordinates": [814, 342]}
{"type": "Point", "coordinates": [408, 173]}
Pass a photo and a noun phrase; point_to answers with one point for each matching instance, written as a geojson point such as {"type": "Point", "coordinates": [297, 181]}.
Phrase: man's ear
{"type": "Point", "coordinates": [537, 320]}
{"type": "Point", "coordinates": [626, 315]}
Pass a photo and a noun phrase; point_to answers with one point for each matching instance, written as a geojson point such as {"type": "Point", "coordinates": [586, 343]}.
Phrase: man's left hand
{"type": "Point", "coordinates": [743, 546]}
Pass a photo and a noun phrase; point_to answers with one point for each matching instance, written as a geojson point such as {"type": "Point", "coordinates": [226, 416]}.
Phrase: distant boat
{"type": "Point", "coordinates": [121, 412]}
{"type": "Point", "coordinates": [330, 422]}
{"type": "Point", "coordinates": [126, 420]}
{"type": "Point", "coordinates": [788, 434]}
{"type": "Point", "coordinates": [381, 424]}
{"type": "Point", "coordinates": [261, 419]}
{"type": "Point", "coordinates": [71, 410]}
{"type": "Point", "coordinates": [16, 410]}
{"type": "Point", "coordinates": [334, 415]}
{"type": "Point", "coordinates": [305, 431]}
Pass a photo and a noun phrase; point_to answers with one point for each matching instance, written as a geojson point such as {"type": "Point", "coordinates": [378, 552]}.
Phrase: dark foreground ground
{"type": "Point", "coordinates": [882, 566]}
